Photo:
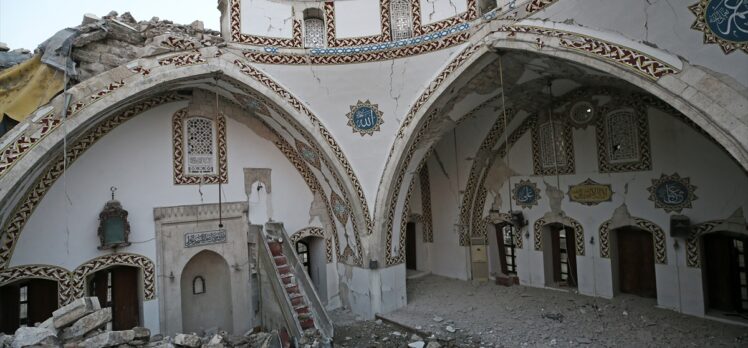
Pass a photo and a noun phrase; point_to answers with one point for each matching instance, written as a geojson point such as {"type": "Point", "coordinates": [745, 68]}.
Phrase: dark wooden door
{"type": "Point", "coordinates": [9, 308]}
{"type": "Point", "coordinates": [636, 266]}
{"type": "Point", "coordinates": [502, 248]}
{"type": "Point", "coordinates": [564, 255]}
{"type": "Point", "coordinates": [725, 263]}
{"type": "Point", "coordinates": [410, 246]}
{"type": "Point", "coordinates": [571, 256]}
{"type": "Point", "coordinates": [125, 307]}
{"type": "Point", "coordinates": [42, 300]}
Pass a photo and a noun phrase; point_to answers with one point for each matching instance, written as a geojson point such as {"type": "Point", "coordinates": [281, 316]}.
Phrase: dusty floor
{"type": "Point", "coordinates": [488, 315]}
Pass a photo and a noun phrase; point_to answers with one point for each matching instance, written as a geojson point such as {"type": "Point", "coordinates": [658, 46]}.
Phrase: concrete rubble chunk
{"type": "Point", "coordinates": [75, 310]}
{"type": "Point", "coordinates": [417, 344]}
{"type": "Point", "coordinates": [4, 47]}
{"type": "Point", "coordinates": [198, 25]}
{"type": "Point", "coordinates": [109, 339]}
{"type": "Point", "coordinates": [5, 340]}
{"type": "Point", "coordinates": [433, 344]}
{"type": "Point", "coordinates": [34, 337]}
{"type": "Point", "coordinates": [89, 18]}
{"type": "Point", "coordinates": [87, 324]}
{"type": "Point", "coordinates": [187, 340]}
{"type": "Point", "coordinates": [87, 38]}
{"type": "Point", "coordinates": [128, 18]}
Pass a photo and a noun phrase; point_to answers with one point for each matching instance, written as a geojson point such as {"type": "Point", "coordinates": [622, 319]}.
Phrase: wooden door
{"type": "Point", "coordinates": [502, 248]}
{"type": "Point", "coordinates": [125, 306]}
{"type": "Point", "coordinates": [42, 300]}
{"type": "Point", "coordinates": [636, 270]}
{"type": "Point", "coordinates": [410, 246]}
{"type": "Point", "coordinates": [9, 308]}
{"type": "Point", "coordinates": [556, 254]}
{"type": "Point", "coordinates": [571, 256]}
{"type": "Point", "coordinates": [725, 263]}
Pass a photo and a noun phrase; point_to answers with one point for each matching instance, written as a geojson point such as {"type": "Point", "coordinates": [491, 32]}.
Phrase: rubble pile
{"type": "Point", "coordinates": [83, 324]}
{"type": "Point", "coordinates": [105, 43]}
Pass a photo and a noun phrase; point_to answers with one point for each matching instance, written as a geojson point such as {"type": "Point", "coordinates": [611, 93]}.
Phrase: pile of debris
{"type": "Point", "coordinates": [83, 323]}
{"type": "Point", "coordinates": [105, 43]}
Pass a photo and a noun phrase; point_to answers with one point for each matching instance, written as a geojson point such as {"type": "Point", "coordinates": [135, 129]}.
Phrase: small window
{"type": "Point", "coordinates": [23, 309]}
{"type": "Point", "coordinates": [401, 19]}
{"type": "Point", "coordinates": [198, 285]}
{"type": "Point", "coordinates": [200, 146]}
{"type": "Point", "coordinates": [553, 154]}
{"type": "Point", "coordinates": [623, 140]}
{"type": "Point", "coordinates": [314, 28]}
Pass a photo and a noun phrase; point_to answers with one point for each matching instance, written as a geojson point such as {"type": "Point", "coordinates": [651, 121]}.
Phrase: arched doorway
{"type": "Point", "coordinates": [506, 243]}
{"type": "Point", "coordinates": [726, 272]}
{"type": "Point", "coordinates": [206, 293]}
{"type": "Point", "coordinates": [311, 252]}
{"type": "Point", "coordinates": [636, 264]}
{"type": "Point", "coordinates": [117, 288]}
{"type": "Point", "coordinates": [26, 302]}
{"type": "Point", "coordinates": [560, 255]}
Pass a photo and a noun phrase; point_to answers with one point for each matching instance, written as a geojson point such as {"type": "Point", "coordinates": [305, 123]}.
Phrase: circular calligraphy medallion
{"type": "Point", "coordinates": [672, 193]}
{"type": "Point", "coordinates": [728, 19]}
{"type": "Point", "coordinates": [526, 194]}
{"type": "Point", "coordinates": [365, 118]}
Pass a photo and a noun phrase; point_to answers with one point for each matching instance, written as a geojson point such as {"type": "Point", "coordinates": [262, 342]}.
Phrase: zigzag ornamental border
{"type": "Point", "coordinates": [180, 175]}
{"type": "Point", "coordinates": [642, 131]}
{"type": "Point", "coordinates": [296, 104]}
{"type": "Point", "coordinates": [537, 5]}
{"type": "Point", "coordinates": [384, 20]}
{"type": "Point", "coordinates": [119, 259]}
{"type": "Point", "coordinates": [316, 232]}
{"type": "Point", "coordinates": [658, 239]}
{"type": "Point", "coordinates": [184, 59]}
{"type": "Point", "coordinates": [399, 181]}
{"type": "Point", "coordinates": [49, 272]}
{"type": "Point", "coordinates": [257, 56]}
{"type": "Point", "coordinates": [48, 123]}
{"type": "Point", "coordinates": [400, 257]}
{"type": "Point", "coordinates": [630, 58]}
{"type": "Point", "coordinates": [237, 36]}
{"type": "Point", "coordinates": [693, 243]}
{"type": "Point", "coordinates": [574, 224]}
{"type": "Point", "coordinates": [434, 85]}
{"type": "Point", "coordinates": [36, 192]}
{"type": "Point", "coordinates": [427, 219]}
{"type": "Point", "coordinates": [418, 29]}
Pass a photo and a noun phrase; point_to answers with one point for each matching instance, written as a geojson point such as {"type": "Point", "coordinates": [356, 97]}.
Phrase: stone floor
{"type": "Point", "coordinates": [488, 315]}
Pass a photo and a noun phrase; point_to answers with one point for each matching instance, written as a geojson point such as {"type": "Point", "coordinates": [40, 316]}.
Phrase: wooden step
{"type": "Point", "coordinates": [275, 248]}
{"type": "Point", "coordinates": [307, 323]}
{"type": "Point", "coordinates": [297, 299]}
{"type": "Point", "coordinates": [280, 260]}
{"type": "Point", "coordinates": [283, 270]}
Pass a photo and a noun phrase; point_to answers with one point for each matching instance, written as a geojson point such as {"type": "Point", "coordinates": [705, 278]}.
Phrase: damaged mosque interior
{"type": "Point", "coordinates": [312, 156]}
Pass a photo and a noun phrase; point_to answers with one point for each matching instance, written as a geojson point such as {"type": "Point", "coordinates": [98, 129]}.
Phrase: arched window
{"type": "Point", "coordinates": [314, 28]}
{"type": "Point", "coordinates": [198, 285]}
{"type": "Point", "coordinates": [200, 146]}
{"type": "Point", "coordinates": [401, 19]}
{"type": "Point", "coordinates": [623, 138]}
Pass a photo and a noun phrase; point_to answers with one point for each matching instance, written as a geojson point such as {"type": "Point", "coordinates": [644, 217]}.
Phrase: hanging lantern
{"type": "Point", "coordinates": [114, 229]}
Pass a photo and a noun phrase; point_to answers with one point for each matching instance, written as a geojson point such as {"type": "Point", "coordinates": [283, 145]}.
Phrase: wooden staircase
{"type": "Point", "coordinates": [293, 292]}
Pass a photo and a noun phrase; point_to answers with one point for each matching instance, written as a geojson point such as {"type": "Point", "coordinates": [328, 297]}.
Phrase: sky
{"type": "Point", "coordinates": [27, 23]}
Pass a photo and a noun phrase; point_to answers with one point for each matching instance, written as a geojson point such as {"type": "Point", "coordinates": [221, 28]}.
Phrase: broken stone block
{"type": "Point", "coordinates": [127, 18]}
{"type": "Point", "coordinates": [87, 38]}
{"type": "Point", "coordinates": [4, 47]}
{"type": "Point", "coordinates": [5, 340]}
{"type": "Point", "coordinates": [87, 324]}
{"type": "Point", "coordinates": [433, 344]}
{"type": "Point", "coordinates": [34, 337]}
{"type": "Point", "coordinates": [185, 340]}
{"type": "Point", "coordinates": [122, 31]}
{"type": "Point", "coordinates": [109, 339]}
{"type": "Point", "coordinates": [198, 25]}
{"type": "Point", "coordinates": [89, 18]}
{"type": "Point", "coordinates": [142, 336]}
{"type": "Point", "coordinates": [417, 344]}
{"type": "Point", "coordinates": [47, 324]}
{"type": "Point", "coordinates": [75, 310]}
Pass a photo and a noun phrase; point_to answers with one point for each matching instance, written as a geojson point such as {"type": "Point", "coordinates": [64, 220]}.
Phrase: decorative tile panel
{"type": "Point", "coordinates": [552, 142]}
{"type": "Point", "coordinates": [693, 243]}
{"type": "Point", "coordinates": [425, 183]}
{"type": "Point", "coordinates": [623, 138]}
{"type": "Point", "coordinates": [314, 33]}
{"type": "Point", "coordinates": [182, 175]}
{"type": "Point", "coordinates": [339, 208]}
{"type": "Point", "coordinates": [309, 154]}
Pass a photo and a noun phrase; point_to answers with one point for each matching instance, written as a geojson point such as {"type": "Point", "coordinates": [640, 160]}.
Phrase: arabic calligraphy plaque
{"type": "Point", "coordinates": [672, 193]}
{"type": "Point", "coordinates": [590, 192]}
{"type": "Point", "coordinates": [526, 194]}
{"type": "Point", "coordinates": [365, 118]}
{"type": "Point", "coordinates": [194, 239]}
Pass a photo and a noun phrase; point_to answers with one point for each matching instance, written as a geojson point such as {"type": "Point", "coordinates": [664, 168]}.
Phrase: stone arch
{"type": "Point", "coordinates": [659, 74]}
{"type": "Point", "coordinates": [564, 220]}
{"type": "Point", "coordinates": [734, 224]}
{"type": "Point", "coordinates": [140, 86]}
{"type": "Point", "coordinates": [313, 231]}
{"type": "Point", "coordinates": [660, 252]}
{"type": "Point", "coordinates": [213, 306]}
{"type": "Point", "coordinates": [62, 276]}
{"type": "Point", "coordinates": [145, 264]}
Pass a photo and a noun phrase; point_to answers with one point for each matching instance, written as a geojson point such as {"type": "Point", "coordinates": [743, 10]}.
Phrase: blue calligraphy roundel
{"type": "Point", "coordinates": [672, 193]}
{"type": "Point", "coordinates": [728, 19]}
{"type": "Point", "coordinates": [526, 194]}
{"type": "Point", "coordinates": [365, 118]}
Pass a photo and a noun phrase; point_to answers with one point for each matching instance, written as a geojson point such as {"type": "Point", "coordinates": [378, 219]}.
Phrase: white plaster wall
{"type": "Point", "coordinates": [355, 18]}
{"type": "Point", "coordinates": [136, 157]}
{"type": "Point", "coordinates": [436, 10]}
{"type": "Point", "coordinates": [267, 18]}
{"type": "Point", "coordinates": [722, 187]}
{"type": "Point", "coordinates": [331, 90]}
{"type": "Point", "coordinates": [664, 24]}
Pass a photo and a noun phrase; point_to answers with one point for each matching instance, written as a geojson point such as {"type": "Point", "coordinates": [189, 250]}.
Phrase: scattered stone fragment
{"type": "Point", "coordinates": [553, 316]}
{"type": "Point", "coordinates": [417, 344]}
{"type": "Point", "coordinates": [433, 344]}
{"type": "Point", "coordinates": [187, 340]}
{"type": "Point", "coordinates": [87, 324]}
{"type": "Point", "coordinates": [4, 47]}
{"type": "Point", "coordinates": [450, 329]}
{"type": "Point", "coordinates": [438, 319]}
{"type": "Point", "coordinates": [75, 310]}
{"type": "Point", "coordinates": [109, 339]}
{"type": "Point", "coordinates": [34, 337]}
{"type": "Point", "coordinates": [89, 18]}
